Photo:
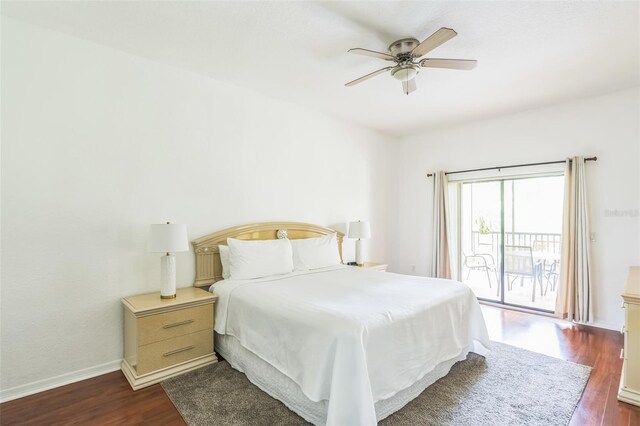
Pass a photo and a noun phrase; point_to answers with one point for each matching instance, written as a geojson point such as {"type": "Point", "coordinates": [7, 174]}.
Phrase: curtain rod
{"type": "Point", "coordinates": [509, 167]}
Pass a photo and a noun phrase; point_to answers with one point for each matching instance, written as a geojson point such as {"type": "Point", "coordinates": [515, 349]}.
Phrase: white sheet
{"type": "Point", "coordinates": [351, 336]}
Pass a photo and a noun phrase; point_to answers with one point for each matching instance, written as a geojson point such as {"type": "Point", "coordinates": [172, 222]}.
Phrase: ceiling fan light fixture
{"type": "Point", "coordinates": [404, 73]}
{"type": "Point", "coordinates": [407, 54]}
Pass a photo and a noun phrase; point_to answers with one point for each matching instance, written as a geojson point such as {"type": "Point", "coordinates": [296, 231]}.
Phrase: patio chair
{"type": "Point", "coordinates": [548, 268]}
{"type": "Point", "coordinates": [481, 262]}
{"type": "Point", "coordinates": [552, 276]}
{"type": "Point", "coordinates": [518, 262]}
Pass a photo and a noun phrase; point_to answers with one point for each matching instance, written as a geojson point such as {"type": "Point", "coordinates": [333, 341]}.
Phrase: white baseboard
{"type": "Point", "coordinates": [57, 381]}
{"type": "Point", "coordinates": [629, 396]}
{"type": "Point", "coordinates": [606, 325]}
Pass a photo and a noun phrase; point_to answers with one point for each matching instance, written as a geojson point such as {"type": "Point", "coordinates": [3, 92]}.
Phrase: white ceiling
{"type": "Point", "coordinates": [530, 53]}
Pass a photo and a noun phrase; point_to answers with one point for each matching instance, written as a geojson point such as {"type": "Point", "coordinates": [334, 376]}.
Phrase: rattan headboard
{"type": "Point", "coordinates": [208, 266]}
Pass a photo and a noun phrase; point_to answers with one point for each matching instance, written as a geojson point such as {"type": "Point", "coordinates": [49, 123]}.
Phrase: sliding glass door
{"type": "Point", "coordinates": [480, 238]}
{"type": "Point", "coordinates": [509, 239]}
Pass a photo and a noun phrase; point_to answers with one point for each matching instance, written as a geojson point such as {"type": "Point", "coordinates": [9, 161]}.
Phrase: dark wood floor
{"type": "Point", "coordinates": [590, 346]}
{"type": "Point", "coordinates": [108, 399]}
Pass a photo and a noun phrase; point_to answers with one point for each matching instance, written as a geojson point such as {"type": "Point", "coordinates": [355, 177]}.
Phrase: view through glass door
{"type": "Point", "coordinates": [510, 239]}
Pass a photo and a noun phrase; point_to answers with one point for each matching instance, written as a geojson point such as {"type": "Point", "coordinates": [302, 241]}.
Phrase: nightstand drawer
{"type": "Point", "coordinates": [156, 328]}
{"type": "Point", "coordinates": [166, 353]}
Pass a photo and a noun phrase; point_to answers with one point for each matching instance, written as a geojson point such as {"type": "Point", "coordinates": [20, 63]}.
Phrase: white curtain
{"type": "Point", "coordinates": [441, 259]}
{"type": "Point", "coordinates": [574, 287]}
{"type": "Point", "coordinates": [453, 228]}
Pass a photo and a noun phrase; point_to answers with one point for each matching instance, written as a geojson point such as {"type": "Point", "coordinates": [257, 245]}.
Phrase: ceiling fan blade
{"type": "Point", "coordinates": [372, 53]}
{"type": "Point", "coordinates": [454, 64]}
{"type": "Point", "coordinates": [433, 41]}
{"type": "Point", "coordinates": [409, 86]}
{"type": "Point", "coordinates": [366, 77]}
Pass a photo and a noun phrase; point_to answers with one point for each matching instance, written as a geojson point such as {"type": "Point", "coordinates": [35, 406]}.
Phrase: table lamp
{"type": "Point", "coordinates": [168, 238]}
{"type": "Point", "coordinates": [359, 230]}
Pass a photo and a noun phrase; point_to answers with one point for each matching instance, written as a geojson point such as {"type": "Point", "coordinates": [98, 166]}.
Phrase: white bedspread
{"type": "Point", "coordinates": [351, 336]}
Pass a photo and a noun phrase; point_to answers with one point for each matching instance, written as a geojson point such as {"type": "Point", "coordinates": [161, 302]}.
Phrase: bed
{"type": "Point", "coordinates": [338, 344]}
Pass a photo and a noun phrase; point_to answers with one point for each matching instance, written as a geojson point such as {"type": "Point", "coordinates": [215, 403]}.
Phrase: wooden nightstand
{"type": "Point", "coordinates": [164, 338]}
{"type": "Point", "coordinates": [376, 266]}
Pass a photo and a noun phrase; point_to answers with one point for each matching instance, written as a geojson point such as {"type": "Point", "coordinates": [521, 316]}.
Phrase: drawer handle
{"type": "Point", "coordinates": [177, 351]}
{"type": "Point", "coordinates": [622, 354]}
{"type": "Point", "coordinates": [176, 324]}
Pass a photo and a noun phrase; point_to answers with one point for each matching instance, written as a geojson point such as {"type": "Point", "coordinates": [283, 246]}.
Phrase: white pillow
{"type": "Point", "coordinates": [259, 258]}
{"type": "Point", "coordinates": [224, 259]}
{"type": "Point", "coordinates": [314, 253]}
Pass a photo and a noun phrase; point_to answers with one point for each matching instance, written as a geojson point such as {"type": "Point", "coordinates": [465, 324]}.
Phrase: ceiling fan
{"type": "Point", "coordinates": [406, 53]}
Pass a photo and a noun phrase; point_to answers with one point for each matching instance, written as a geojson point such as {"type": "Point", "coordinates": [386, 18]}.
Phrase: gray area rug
{"type": "Point", "coordinates": [511, 386]}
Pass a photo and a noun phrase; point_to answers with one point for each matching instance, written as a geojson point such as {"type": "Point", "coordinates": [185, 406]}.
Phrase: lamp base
{"type": "Point", "coordinates": [359, 253]}
{"type": "Point", "coordinates": [168, 277]}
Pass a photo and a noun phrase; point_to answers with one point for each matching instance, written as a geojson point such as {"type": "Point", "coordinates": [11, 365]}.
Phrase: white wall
{"type": "Point", "coordinates": [605, 126]}
{"type": "Point", "coordinates": [98, 144]}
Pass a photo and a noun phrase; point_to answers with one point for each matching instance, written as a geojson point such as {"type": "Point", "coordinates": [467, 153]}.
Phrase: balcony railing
{"type": "Point", "coordinates": [490, 242]}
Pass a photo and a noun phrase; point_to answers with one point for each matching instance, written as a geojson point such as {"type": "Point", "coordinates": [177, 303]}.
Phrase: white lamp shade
{"type": "Point", "coordinates": [359, 230]}
{"type": "Point", "coordinates": [168, 238]}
